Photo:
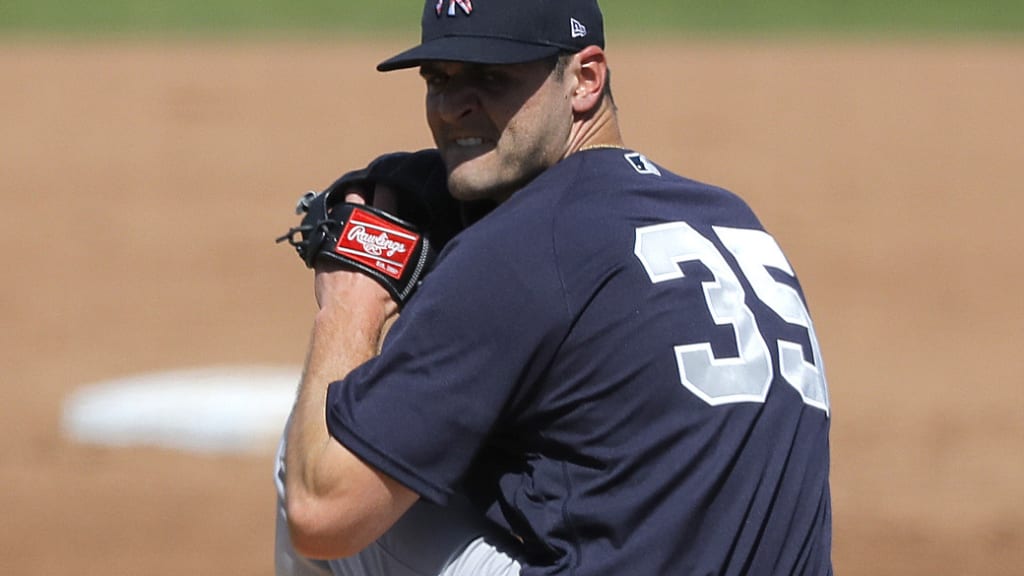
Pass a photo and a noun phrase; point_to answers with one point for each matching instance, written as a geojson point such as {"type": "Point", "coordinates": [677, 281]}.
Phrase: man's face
{"type": "Point", "coordinates": [497, 126]}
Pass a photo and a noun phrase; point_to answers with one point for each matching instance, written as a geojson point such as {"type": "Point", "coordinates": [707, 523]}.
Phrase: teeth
{"type": "Point", "coordinates": [469, 141]}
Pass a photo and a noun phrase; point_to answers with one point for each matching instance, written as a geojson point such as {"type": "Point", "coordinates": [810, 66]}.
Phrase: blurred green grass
{"type": "Point", "coordinates": [374, 17]}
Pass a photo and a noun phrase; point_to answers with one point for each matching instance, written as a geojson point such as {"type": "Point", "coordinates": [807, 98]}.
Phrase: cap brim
{"type": "Point", "coordinates": [477, 50]}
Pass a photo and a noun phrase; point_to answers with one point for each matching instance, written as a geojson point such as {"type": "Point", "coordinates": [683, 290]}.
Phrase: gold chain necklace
{"type": "Point", "coordinates": [602, 146]}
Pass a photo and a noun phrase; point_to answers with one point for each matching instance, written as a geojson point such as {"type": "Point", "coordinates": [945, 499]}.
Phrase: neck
{"type": "Point", "coordinates": [597, 130]}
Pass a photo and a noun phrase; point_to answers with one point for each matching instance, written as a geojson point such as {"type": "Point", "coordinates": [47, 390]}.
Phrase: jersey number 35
{"type": "Point", "coordinates": [747, 377]}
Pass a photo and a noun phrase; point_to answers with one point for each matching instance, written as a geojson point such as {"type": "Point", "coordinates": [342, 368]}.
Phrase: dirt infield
{"type": "Point", "coordinates": [142, 186]}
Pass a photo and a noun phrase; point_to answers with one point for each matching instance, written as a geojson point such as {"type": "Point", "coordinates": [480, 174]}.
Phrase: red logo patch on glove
{"type": "Point", "coordinates": [377, 243]}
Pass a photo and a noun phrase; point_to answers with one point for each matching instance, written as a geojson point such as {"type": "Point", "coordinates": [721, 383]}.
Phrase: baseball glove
{"type": "Point", "coordinates": [395, 249]}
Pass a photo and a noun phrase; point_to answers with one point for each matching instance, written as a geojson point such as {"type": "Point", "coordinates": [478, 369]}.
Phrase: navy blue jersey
{"type": "Point", "coordinates": [618, 365]}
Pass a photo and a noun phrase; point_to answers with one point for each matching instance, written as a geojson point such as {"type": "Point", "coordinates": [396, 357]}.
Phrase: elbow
{"type": "Point", "coordinates": [316, 533]}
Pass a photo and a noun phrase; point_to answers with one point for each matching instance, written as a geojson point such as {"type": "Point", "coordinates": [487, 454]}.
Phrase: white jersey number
{"type": "Point", "coordinates": [747, 377]}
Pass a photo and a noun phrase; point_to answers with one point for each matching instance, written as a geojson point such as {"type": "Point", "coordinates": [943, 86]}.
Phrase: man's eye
{"type": "Point", "coordinates": [490, 78]}
{"type": "Point", "coordinates": [434, 79]}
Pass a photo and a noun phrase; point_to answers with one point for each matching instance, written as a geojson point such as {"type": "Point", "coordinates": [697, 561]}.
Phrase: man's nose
{"type": "Point", "coordinates": [457, 101]}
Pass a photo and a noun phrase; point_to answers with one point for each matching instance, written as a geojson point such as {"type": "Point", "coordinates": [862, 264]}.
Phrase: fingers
{"type": "Point", "coordinates": [384, 197]}
{"type": "Point", "coordinates": [355, 196]}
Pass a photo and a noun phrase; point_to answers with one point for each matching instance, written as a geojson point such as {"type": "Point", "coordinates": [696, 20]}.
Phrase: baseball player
{"type": "Point", "coordinates": [616, 366]}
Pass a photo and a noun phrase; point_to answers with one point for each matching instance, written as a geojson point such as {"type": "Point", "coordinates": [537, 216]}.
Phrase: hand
{"type": "Point", "coordinates": [397, 240]}
{"type": "Point", "coordinates": [353, 293]}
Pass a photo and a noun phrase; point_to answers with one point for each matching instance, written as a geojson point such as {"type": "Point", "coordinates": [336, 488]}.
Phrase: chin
{"type": "Point", "coordinates": [468, 191]}
{"type": "Point", "coordinates": [483, 178]}
{"type": "Point", "coordinates": [469, 181]}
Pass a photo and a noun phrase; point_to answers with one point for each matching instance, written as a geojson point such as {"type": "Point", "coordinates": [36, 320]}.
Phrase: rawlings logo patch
{"type": "Point", "coordinates": [466, 5]}
{"type": "Point", "coordinates": [376, 242]}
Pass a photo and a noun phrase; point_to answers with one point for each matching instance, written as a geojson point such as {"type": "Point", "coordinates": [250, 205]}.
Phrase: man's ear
{"type": "Point", "coordinates": [590, 71]}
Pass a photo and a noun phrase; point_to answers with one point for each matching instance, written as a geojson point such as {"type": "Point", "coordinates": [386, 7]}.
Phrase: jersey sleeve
{"type": "Point", "coordinates": [476, 335]}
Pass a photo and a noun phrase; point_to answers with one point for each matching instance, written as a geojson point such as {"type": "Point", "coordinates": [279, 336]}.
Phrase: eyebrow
{"type": "Point", "coordinates": [429, 66]}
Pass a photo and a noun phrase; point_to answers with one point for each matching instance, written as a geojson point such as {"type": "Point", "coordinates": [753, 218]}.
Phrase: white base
{"type": "Point", "coordinates": [227, 409]}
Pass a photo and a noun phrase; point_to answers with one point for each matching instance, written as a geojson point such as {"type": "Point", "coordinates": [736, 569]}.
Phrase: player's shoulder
{"type": "Point", "coordinates": [627, 182]}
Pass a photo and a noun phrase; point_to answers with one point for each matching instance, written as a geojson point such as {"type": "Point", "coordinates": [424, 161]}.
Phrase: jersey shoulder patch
{"type": "Point", "coordinates": [641, 164]}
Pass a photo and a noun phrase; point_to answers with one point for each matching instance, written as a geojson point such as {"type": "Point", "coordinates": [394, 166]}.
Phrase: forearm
{"type": "Point", "coordinates": [339, 342]}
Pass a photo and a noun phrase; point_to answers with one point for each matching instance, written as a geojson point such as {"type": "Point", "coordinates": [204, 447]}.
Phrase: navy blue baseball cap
{"type": "Point", "coordinates": [502, 31]}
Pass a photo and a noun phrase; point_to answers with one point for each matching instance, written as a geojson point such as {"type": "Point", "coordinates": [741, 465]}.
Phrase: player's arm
{"type": "Point", "coordinates": [336, 504]}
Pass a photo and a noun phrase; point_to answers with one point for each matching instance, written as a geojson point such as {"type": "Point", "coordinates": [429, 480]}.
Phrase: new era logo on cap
{"type": "Point", "coordinates": [578, 29]}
